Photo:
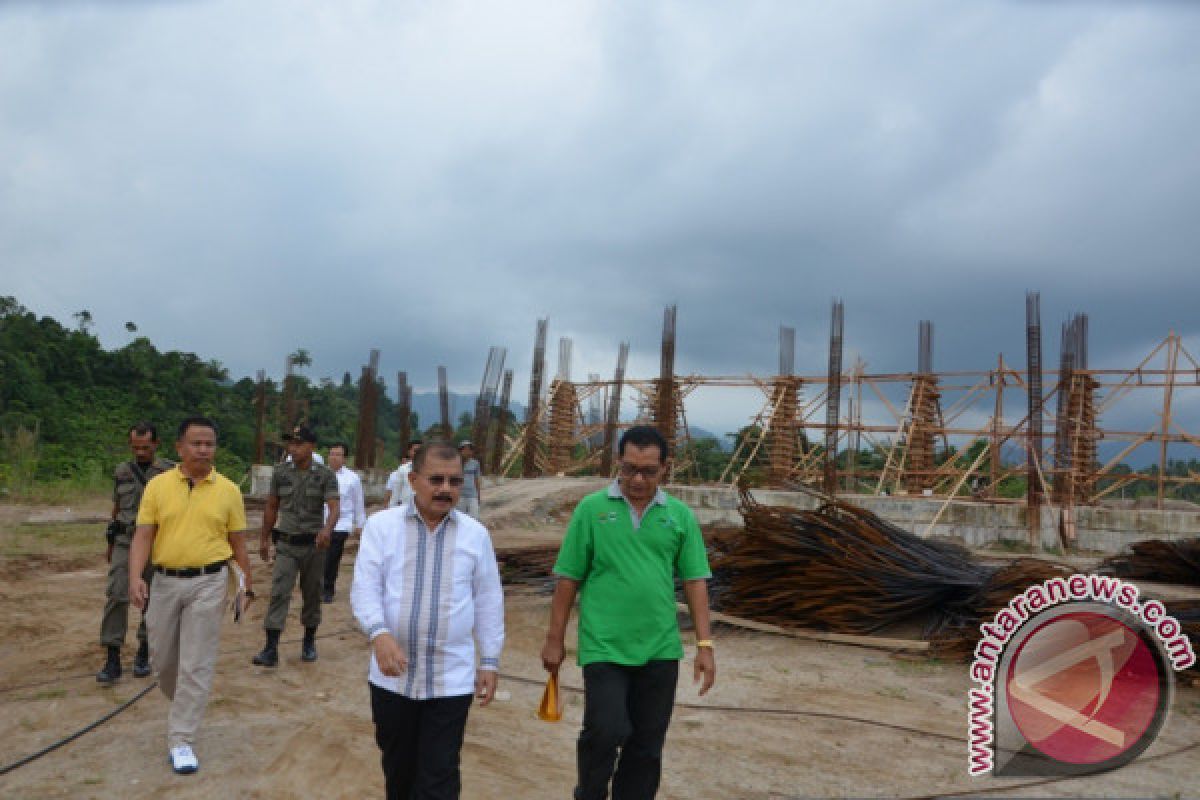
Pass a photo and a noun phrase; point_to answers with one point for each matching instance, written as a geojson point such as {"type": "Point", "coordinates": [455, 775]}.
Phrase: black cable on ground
{"type": "Point", "coordinates": [879, 723]}
{"type": "Point", "coordinates": [4, 770]}
{"type": "Point", "coordinates": [7, 768]}
{"type": "Point", "coordinates": [767, 711]}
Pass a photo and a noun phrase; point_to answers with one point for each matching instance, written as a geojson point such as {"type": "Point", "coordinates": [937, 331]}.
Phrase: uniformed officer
{"type": "Point", "coordinates": [129, 480]}
{"type": "Point", "coordinates": [293, 519]}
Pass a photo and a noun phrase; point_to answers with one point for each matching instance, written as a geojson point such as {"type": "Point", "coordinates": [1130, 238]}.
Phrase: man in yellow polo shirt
{"type": "Point", "coordinates": [191, 521]}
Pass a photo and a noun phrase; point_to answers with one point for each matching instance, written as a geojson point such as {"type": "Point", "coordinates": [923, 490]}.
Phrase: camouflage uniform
{"type": "Point", "coordinates": [129, 480]}
{"type": "Point", "coordinates": [302, 495]}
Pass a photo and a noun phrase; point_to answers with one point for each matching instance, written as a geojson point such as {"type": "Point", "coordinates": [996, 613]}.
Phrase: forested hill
{"type": "Point", "coordinates": [66, 403]}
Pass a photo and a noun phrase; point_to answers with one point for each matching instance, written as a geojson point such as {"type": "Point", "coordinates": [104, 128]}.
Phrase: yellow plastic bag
{"type": "Point", "coordinates": [549, 710]}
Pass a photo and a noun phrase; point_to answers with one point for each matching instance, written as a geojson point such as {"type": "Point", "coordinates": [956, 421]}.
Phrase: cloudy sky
{"type": "Point", "coordinates": [243, 179]}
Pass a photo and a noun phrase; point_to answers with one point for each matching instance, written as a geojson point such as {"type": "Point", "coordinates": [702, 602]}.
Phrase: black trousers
{"type": "Point", "coordinates": [625, 708]}
{"type": "Point", "coordinates": [333, 559]}
{"type": "Point", "coordinates": [420, 741]}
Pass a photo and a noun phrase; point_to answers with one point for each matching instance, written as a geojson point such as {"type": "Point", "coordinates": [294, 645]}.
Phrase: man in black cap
{"type": "Point", "coordinates": [300, 489]}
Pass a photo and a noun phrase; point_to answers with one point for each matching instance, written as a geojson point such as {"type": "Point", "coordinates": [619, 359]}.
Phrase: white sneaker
{"type": "Point", "coordinates": [183, 760]}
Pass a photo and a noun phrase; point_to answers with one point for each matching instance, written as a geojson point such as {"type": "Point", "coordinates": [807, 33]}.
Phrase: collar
{"type": "Point", "coordinates": [615, 493]}
{"type": "Point", "coordinates": [410, 511]}
{"type": "Point", "coordinates": [210, 478]}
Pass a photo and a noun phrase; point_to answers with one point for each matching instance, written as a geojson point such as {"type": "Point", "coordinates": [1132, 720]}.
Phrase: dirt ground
{"type": "Point", "coordinates": [304, 730]}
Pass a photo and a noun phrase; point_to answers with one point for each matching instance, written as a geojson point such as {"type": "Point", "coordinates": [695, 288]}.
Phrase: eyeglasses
{"type": "Point", "coordinates": [438, 480]}
{"type": "Point", "coordinates": [649, 473]}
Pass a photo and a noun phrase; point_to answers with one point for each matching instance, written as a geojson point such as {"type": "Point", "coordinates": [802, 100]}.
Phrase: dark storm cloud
{"type": "Point", "coordinates": [430, 180]}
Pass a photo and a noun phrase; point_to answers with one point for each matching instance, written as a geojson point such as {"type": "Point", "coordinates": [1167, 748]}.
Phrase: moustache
{"type": "Point", "coordinates": [447, 498]}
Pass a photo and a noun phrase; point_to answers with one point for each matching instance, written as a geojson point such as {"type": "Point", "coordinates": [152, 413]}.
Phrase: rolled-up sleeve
{"type": "Point", "coordinates": [366, 593]}
{"type": "Point", "coordinates": [489, 607]}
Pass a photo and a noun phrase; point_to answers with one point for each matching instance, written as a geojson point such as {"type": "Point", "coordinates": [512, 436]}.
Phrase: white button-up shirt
{"type": "Point", "coordinates": [437, 593]}
{"type": "Point", "coordinates": [399, 486]}
{"type": "Point", "coordinates": [352, 512]}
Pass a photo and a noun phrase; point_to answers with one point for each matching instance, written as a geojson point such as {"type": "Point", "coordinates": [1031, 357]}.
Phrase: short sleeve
{"type": "Point", "coordinates": [575, 555]}
{"type": "Point", "coordinates": [236, 518]}
{"type": "Point", "coordinates": [331, 486]}
{"type": "Point", "coordinates": [692, 560]}
{"type": "Point", "coordinates": [275, 473]}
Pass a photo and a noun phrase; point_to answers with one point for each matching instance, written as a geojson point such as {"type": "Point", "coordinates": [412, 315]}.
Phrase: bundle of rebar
{"type": "Point", "coordinates": [1187, 612]}
{"type": "Point", "coordinates": [1158, 560]}
{"type": "Point", "coordinates": [843, 569]}
{"type": "Point", "coordinates": [526, 565]}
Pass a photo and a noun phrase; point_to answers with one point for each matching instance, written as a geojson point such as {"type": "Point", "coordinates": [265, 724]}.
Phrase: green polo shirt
{"type": "Point", "coordinates": [302, 495]}
{"type": "Point", "coordinates": [627, 575]}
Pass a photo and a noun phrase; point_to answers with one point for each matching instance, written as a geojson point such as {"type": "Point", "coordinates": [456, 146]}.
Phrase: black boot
{"type": "Point", "coordinates": [112, 667]}
{"type": "Point", "coordinates": [269, 657]}
{"type": "Point", "coordinates": [308, 650]}
{"type": "Point", "coordinates": [141, 662]}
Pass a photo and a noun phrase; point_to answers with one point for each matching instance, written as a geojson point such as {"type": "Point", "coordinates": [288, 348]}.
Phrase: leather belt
{"type": "Point", "coordinates": [191, 572]}
{"type": "Point", "coordinates": [297, 538]}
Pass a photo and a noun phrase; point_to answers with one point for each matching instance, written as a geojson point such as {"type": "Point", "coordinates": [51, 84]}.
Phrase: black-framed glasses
{"type": "Point", "coordinates": [438, 480]}
{"type": "Point", "coordinates": [649, 473]}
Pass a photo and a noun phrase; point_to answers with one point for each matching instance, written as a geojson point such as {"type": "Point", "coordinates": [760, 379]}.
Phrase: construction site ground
{"type": "Point", "coordinates": [787, 718]}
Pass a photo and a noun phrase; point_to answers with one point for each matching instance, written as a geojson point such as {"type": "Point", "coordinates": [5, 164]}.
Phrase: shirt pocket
{"type": "Point", "coordinates": [464, 572]}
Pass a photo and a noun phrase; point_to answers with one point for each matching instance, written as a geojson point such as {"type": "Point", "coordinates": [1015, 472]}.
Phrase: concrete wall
{"type": "Point", "coordinates": [1104, 530]}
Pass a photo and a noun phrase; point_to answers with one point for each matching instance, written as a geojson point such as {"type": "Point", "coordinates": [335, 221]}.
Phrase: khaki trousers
{"type": "Point", "coordinates": [184, 627]}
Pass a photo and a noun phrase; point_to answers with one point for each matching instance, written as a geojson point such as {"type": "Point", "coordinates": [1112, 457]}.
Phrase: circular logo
{"type": "Point", "coordinates": [1087, 689]}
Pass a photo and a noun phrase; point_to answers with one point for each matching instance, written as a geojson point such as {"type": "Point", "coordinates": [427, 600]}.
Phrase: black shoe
{"type": "Point", "coordinates": [269, 657]}
{"type": "Point", "coordinates": [112, 667]}
{"type": "Point", "coordinates": [327, 597]}
{"type": "Point", "coordinates": [141, 662]}
{"type": "Point", "coordinates": [308, 651]}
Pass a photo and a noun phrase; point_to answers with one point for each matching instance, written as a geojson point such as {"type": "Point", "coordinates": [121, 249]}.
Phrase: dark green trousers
{"type": "Point", "coordinates": [291, 561]}
{"type": "Point", "coordinates": [115, 622]}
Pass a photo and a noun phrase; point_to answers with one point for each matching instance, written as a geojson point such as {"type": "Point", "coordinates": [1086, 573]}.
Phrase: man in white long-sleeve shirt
{"type": "Point", "coordinates": [427, 591]}
{"type": "Point", "coordinates": [352, 515]}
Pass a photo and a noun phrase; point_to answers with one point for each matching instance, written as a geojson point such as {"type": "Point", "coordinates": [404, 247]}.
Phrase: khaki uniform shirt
{"type": "Point", "coordinates": [127, 489]}
{"type": "Point", "coordinates": [302, 495]}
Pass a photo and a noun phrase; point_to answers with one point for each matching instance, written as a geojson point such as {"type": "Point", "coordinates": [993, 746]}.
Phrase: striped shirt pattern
{"type": "Point", "coordinates": [436, 592]}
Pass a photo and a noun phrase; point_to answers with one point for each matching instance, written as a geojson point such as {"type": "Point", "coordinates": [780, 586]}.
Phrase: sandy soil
{"type": "Point", "coordinates": [303, 730]}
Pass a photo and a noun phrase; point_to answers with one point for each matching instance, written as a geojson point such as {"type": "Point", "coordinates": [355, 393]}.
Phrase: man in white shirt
{"type": "Point", "coordinates": [426, 589]}
{"type": "Point", "coordinates": [352, 515]}
{"type": "Point", "coordinates": [398, 489]}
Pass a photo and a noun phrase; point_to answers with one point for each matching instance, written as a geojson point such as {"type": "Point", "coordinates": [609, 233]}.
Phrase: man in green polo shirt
{"type": "Point", "coordinates": [623, 548]}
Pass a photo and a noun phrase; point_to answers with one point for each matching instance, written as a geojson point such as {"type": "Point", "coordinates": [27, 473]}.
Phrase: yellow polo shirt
{"type": "Point", "coordinates": [194, 522]}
